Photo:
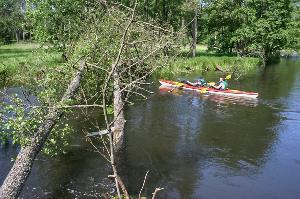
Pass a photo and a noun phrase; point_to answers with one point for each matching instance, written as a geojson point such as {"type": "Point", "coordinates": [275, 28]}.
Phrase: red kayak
{"type": "Point", "coordinates": [228, 92]}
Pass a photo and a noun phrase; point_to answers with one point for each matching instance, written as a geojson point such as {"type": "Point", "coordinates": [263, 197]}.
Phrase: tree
{"type": "Point", "coordinates": [11, 19]}
{"type": "Point", "coordinates": [272, 18]}
{"type": "Point", "coordinates": [120, 50]}
{"type": "Point", "coordinates": [60, 22]}
{"type": "Point", "coordinates": [249, 27]}
{"type": "Point", "coordinates": [293, 30]}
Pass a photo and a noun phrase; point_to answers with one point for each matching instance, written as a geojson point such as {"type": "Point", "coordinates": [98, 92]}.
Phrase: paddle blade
{"type": "Point", "coordinates": [204, 90]}
{"type": "Point", "coordinates": [211, 83]}
{"type": "Point", "coordinates": [228, 76]}
{"type": "Point", "coordinates": [179, 84]}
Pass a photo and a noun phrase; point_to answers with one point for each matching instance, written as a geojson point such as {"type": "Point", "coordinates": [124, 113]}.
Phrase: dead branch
{"type": "Point", "coordinates": [143, 184]}
{"type": "Point", "coordinates": [154, 26]}
{"type": "Point", "coordinates": [70, 106]}
{"type": "Point", "coordinates": [111, 141]}
{"type": "Point", "coordinates": [136, 93]}
{"type": "Point", "coordinates": [156, 191]}
{"type": "Point", "coordinates": [116, 61]}
{"type": "Point", "coordinates": [122, 185]}
{"type": "Point", "coordinates": [98, 151]}
{"type": "Point", "coordinates": [95, 66]}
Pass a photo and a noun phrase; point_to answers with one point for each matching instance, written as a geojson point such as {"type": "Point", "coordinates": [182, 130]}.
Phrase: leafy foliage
{"type": "Point", "coordinates": [293, 31]}
{"type": "Point", "coordinates": [19, 122]}
{"type": "Point", "coordinates": [11, 19]}
{"type": "Point", "coordinates": [249, 27]}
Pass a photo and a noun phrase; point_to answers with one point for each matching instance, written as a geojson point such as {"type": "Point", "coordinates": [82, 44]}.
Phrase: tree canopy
{"type": "Point", "coordinates": [11, 19]}
{"type": "Point", "coordinates": [252, 27]}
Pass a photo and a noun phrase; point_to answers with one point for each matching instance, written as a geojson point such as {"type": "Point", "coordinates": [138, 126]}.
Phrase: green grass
{"type": "Point", "coordinates": [18, 56]}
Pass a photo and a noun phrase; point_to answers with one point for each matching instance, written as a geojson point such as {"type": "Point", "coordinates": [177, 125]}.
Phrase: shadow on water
{"type": "Point", "coordinates": [159, 147]}
{"type": "Point", "coordinates": [175, 137]}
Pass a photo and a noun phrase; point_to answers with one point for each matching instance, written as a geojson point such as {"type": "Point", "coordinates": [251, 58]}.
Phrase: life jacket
{"type": "Point", "coordinates": [202, 82]}
{"type": "Point", "coordinates": [225, 83]}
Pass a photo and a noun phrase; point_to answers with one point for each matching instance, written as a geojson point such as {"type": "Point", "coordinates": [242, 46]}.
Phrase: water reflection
{"type": "Point", "coordinates": [159, 145]}
{"type": "Point", "coordinates": [219, 99]}
{"type": "Point", "coordinates": [242, 138]}
{"type": "Point", "coordinates": [177, 136]}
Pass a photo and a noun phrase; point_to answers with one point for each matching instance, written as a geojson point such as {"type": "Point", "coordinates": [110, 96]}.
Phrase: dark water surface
{"type": "Point", "coordinates": [194, 145]}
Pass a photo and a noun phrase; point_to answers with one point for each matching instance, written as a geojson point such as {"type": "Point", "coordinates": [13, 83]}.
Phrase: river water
{"type": "Point", "coordinates": [194, 146]}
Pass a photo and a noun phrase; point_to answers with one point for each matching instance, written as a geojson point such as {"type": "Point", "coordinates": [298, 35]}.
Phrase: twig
{"type": "Point", "coordinates": [71, 106]}
{"type": "Point", "coordinates": [95, 66]}
{"type": "Point", "coordinates": [155, 192]}
{"type": "Point", "coordinates": [97, 150]}
{"type": "Point", "coordinates": [143, 89]}
{"type": "Point", "coordinates": [137, 93]}
{"type": "Point", "coordinates": [154, 26]}
{"type": "Point", "coordinates": [143, 184]}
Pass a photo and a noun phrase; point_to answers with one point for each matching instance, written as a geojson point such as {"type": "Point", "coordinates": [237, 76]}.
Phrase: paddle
{"type": "Point", "coordinates": [213, 83]}
{"type": "Point", "coordinates": [228, 76]}
{"type": "Point", "coordinates": [203, 90]}
{"type": "Point", "coordinates": [181, 84]}
{"type": "Point", "coordinates": [177, 85]}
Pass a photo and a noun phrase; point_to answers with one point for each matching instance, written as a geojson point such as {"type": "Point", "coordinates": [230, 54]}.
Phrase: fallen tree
{"type": "Point", "coordinates": [120, 51]}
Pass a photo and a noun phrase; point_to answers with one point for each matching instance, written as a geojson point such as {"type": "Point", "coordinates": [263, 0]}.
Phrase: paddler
{"type": "Point", "coordinates": [222, 84]}
{"type": "Point", "coordinates": [198, 83]}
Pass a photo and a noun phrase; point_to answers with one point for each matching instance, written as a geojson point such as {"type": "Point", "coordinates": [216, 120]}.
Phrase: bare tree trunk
{"type": "Point", "coordinates": [17, 35]}
{"type": "Point", "coordinates": [24, 35]}
{"type": "Point", "coordinates": [195, 27]}
{"type": "Point", "coordinates": [165, 11]}
{"type": "Point", "coordinates": [117, 136]}
{"type": "Point", "coordinates": [15, 180]}
{"type": "Point", "coordinates": [119, 123]}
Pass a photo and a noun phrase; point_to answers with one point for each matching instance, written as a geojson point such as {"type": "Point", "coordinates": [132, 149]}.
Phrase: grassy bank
{"type": "Point", "coordinates": [18, 56]}
{"type": "Point", "coordinates": [208, 61]}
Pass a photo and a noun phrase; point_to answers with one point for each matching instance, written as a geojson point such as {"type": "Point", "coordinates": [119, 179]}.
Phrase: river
{"type": "Point", "coordinates": [194, 146]}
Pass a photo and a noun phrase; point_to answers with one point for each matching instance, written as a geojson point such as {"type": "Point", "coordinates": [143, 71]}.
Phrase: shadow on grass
{"type": "Point", "coordinates": [14, 51]}
{"type": "Point", "coordinates": [19, 55]}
